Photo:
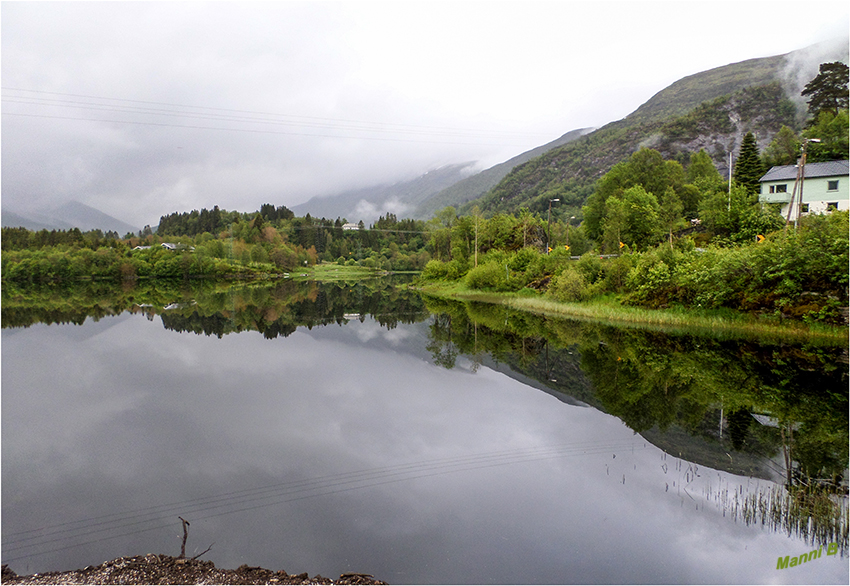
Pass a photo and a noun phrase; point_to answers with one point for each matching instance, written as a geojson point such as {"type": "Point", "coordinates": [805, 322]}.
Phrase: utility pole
{"type": "Point", "coordinates": [549, 227]}
{"type": "Point", "coordinates": [729, 204]}
{"type": "Point", "coordinates": [476, 236]}
{"type": "Point", "coordinates": [801, 176]}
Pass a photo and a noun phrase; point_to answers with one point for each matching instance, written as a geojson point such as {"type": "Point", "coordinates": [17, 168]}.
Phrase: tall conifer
{"type": "Point", "coordinates": [828, 91]}
{"type": "Point", "coordinates": [748, 168]}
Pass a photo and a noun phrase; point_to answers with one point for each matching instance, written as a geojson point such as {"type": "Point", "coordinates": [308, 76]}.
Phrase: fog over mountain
{"type": "Point", "coordinates": [400, 198]}
{"type": "Point", "coordinates": [72, 214]}
{"type": "Point", "coordinates": [142, 109]}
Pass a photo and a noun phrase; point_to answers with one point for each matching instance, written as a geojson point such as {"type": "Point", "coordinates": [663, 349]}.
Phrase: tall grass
{"type": "Point", "coordinates": [810, 513]}
{"type": "Point", "coordinates": [719, 322]}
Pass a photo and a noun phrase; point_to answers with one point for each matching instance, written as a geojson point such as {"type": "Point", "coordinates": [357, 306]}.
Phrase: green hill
{"type": "Point", "coordinates": [711, 110]}
{"type": "Point", "coordinates": [477, 185]}
{"type": "Point", "coordinates": [689, 92]}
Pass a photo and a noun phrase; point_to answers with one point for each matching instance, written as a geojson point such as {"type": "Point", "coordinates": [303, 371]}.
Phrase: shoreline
{"type": "Point", "coordinates": [164, 569]}
{"type": "Point", "coordinates": [675, 320]}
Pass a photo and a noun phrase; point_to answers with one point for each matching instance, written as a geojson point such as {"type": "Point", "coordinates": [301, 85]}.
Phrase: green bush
{"type": "Point", "coordinates": [615, 272]}
{"type": "Point", "coordinates": [524, 259]}
{"type": "Point", "coordinates": [455, 269]}
{"type": "Point", "coordinates": [490, 276]}
{"type": "Point", "coordinates": [650, 282]}
{"type": "Point", "coordinates": [591, 267]}
{"type": "Point", "coordinates": [434, 270]}
{"type": "Point", "coordinates": [570, 286]}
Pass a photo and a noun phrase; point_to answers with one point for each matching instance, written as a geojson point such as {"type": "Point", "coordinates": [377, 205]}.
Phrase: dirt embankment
{"type": "Point", "coordinates": [163, 569]}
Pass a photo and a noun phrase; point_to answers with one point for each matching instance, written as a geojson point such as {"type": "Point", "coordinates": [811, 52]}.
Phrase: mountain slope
{"type": "Point", "coordinates": [14, 220]}
{"type": "Point", "coordinates": [689, 92]}
{"type": "Point", "coordinates": [400, 198]}
{"type": "Point", "coordinates": [72, 214]}
{"type": "Point", "coordinates": [480, 183]}
{"type": "Point", "coordinates": [710, 110]}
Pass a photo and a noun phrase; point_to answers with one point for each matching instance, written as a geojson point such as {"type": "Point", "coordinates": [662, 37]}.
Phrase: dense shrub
{"type": "Point", "coordinates": [434, 270]}
{"type": "Point", "coordinates": [569, 286]}
{"type": "Point", "coordinates": [799, 273]}
{"type": "Point", "coordinates": [489, 276]}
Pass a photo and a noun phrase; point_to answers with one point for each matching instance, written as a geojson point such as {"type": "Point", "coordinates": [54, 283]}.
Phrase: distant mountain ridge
{"type": "Point", "coordinates": [67, 216]}
{"type": "Point", "coordinates": [401, 198]}
{"type": "Point", "coordinates": [477, 185]}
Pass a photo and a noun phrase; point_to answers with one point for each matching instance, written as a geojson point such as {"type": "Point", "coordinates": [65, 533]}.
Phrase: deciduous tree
{"type": "Point", "coordinates": [670, 211]}
{"type": "Point", "coordinates": [784, 149]}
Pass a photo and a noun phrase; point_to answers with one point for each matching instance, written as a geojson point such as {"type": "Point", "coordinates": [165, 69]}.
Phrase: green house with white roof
{"type": "Point", "coordinates": [826, 187]}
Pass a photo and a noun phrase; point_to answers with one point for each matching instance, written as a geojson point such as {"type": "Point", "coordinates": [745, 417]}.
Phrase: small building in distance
{"type": "Point", "coordinates": [178, 246]}
{"type": "Point", "coordinates": [825, 187]}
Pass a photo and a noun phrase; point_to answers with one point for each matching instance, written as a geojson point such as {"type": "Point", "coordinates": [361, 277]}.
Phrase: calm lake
{"type": "Point", "coordinates": [357, 427]}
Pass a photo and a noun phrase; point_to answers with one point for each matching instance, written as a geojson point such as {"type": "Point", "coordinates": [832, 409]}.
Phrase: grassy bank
{"type": "Point", "coordinates": [609, 310]}
{"type": "Point", "coordinates": [336, 272]}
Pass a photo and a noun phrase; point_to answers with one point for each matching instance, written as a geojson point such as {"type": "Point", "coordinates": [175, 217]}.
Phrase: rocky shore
{"type": "Point", "coordinates": [163, 569]}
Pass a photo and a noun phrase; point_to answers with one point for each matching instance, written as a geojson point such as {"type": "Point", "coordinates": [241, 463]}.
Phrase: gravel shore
{"type": "Point", "coordinates": [163, 569]}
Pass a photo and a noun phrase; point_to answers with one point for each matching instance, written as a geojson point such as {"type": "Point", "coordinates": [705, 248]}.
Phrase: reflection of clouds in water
{"type": "Point", "coordinates": [371, 459]}
{"type": "Point", "coordinates": [369, 330]}
{"type": "Point", "coordinates": [397, 336]}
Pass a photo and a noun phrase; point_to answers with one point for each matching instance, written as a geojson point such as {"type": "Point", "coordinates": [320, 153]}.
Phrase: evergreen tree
{"type": "Point", "coordinates": [748, 168]}
{"type": "Point", "coordinates": [828, 91]}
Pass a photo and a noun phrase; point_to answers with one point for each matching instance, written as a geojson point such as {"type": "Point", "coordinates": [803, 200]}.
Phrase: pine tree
{"type": "Point", "coordinates": [748, 168]}
{"type": "Point", "coordinates": [828, 91]}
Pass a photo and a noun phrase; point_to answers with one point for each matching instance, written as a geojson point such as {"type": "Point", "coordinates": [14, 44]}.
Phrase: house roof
{"type": "Point", "coordinates": [789, 172]}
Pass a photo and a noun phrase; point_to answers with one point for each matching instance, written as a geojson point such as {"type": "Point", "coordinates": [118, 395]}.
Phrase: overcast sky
{"type": "Point", "coordinates": [142, 109]}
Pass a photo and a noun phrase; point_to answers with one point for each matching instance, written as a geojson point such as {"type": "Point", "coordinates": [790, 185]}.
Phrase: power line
{"type": "Point", "coordinates": [213, 109]}
{"type": "Point", "coordinates": [248, 130]}
{"type": "Point", "coordinates": [126, 106]}
{"type": "Point", "coordinates": [280, 493]}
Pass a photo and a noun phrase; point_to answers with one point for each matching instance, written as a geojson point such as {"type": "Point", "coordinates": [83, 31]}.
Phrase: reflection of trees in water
{"type": "Point", "coordinates": [440, 345]}
{"type": "Point", "coordinates": [274, 309]}
{"type": "Point", "coordinates": [279, 311]}
{"type": "Point", "coordinates": [658, 383]}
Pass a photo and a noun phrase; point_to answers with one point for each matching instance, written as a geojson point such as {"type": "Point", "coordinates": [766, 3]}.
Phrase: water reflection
{"type": "Point", "coordinates": [217, 309]}
{"type": "Point", "coordinates": [325, 448]}
{"type": "Point", "coordinates": [772, 412]}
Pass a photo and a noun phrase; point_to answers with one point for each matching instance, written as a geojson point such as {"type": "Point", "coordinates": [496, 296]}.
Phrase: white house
{"type": "Point", "coordinates": [825, 187]}
{"type": "Point", "coordinates": [173, 246]}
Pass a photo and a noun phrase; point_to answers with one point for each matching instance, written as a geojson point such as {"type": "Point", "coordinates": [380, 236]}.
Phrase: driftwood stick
{"type": "Point", "coordinates": [205, 551]}
{"type": "Point", "coordinates": [185, 537]}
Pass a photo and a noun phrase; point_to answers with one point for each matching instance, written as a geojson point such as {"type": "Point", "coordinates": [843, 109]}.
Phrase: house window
{"type": "Point", "coordinates": [832, 185]}
{"type": "Point", "coordinates": [831, 206]}
{"type": "Point", "coordinates": [782, 188]}
{"type": "Point", "coordinates": [805, 208]}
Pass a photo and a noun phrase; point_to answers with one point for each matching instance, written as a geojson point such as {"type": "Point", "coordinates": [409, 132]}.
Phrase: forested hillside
{"type": "Point", "coordinates": [477, 185]}
{"type": "Point", "coordinates": [569, 173]}
{"type": "Point", "coordinates": [712, 110]}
